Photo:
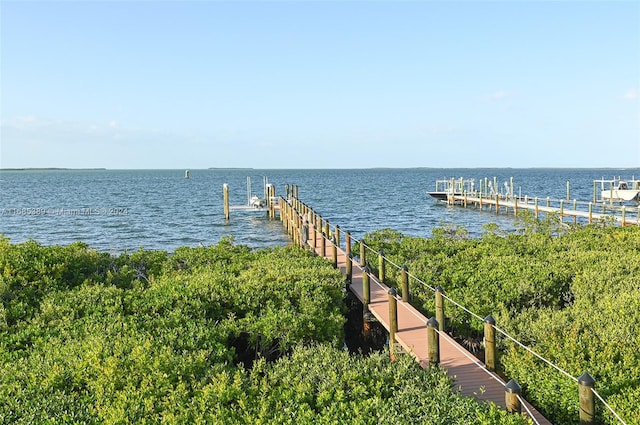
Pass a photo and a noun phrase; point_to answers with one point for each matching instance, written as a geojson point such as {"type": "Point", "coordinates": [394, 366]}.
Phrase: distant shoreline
{"type": "Point", "coordinates": [312, 169]}
{"type": "Point", "coordinates": [50, 169]}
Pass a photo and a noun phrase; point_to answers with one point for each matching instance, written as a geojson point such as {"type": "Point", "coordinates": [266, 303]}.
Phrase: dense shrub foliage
{"type": "Point", "coordinates": [570, 293]}
{"type": "Point", "coordinates": [220, 335]}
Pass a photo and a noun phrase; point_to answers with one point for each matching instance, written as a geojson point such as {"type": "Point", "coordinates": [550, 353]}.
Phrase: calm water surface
{"type": "Point", "coordinates": [117, 210]}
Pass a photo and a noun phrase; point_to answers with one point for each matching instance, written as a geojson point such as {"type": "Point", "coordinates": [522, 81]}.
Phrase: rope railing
{"type": "Point", "coordinates": [526, 408]}
{"type": "Point", "coordinates": [506, 335]}
{"type": "Point", "coordinates": [476, 316]}
{"type": "Point", "coordinates": [608, 407]}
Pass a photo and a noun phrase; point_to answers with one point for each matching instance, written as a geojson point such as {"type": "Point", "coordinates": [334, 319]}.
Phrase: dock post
{"type": "Point", "coordinates": [481, 199]}
{"type": "Point", "coordinates": [536, 207]}
{"type": "Point", "coordinates": [590, 212]}
{"type": "Point", "coordinates": [381, 266]}
{"type": "Point", "coordinates": [575, 209]}
{"type": "Point", "coordinates": [349, 267]}
{"type": "Point", "coordinates": [515, 206]}
{"type": "Point", "coordinates": [561, 209]}
{"type": "Point", "coordinates": [624, 215]}
{"type": "Point", "coordinates": [497, 204]}
{"type": "Point", "coordinates": [366, 288]}
{"type": "Point", "coordinates": [347, 243]}
{"type": "Point", "coordinates": [327, 230]}
{"type": "Point", "coordinates": [404, 278]}
{"type": "Point", "coordinates": [338, 235]}
{"type": "Point", "coordinates": [363, 254]}
{"type": "Point", "coordinates": [587, 399]}
{"type": "Point", "coordinates": [272, 207]}
{"type": "Point", "coordinates": [568, 191]}
{"type": "Point", "coordinates": [225, 196]}
{"type": "Point", "coordinates": [305, 234]}
{"type": "Point", "coordinates": [323, 245]}
{"type": "Point", "coordinates": [315, 238]}
{"type": "Point", "coordinates": [511, 392]}
{"type": "Point", "coordinates": [548, 202]}
{"type": "Point", "coordinates": [490, 343]}
{"type": "Point", "coordinates": [366, 299]}
{"type": "Point", "coordinates": [595, 197]}
{"type": "Point", "coordinates": [440, 307]}
{"type": "Point", "coordinates": [334, 249]}
{"type": "Point", "coordinates": [393, 321]}
{"type": "Point", "coordinates": [433, 341]}
{"type": "Point", "coordinates": [299, 229]}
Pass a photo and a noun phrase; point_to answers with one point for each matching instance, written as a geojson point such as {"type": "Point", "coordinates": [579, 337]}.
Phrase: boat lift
{"type": "Point", "coordinates": [266, 203]}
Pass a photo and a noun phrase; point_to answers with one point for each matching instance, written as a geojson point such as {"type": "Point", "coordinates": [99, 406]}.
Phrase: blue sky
{"type": "Point", "coordinates": [300, 84]}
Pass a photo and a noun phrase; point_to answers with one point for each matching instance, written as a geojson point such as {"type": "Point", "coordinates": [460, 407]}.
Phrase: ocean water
{"type": "Point", "coordinates": [120, 210]}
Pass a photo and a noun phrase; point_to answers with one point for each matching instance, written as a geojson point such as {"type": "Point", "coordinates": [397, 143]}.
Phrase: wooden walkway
{"type": "Point", "coordinates": [469, 374]}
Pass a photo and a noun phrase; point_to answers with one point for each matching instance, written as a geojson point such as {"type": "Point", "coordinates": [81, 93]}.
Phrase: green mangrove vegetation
{"type": "Point", "coordinates": [212, 335]}
{"type": "Point", "coordinates": [570, 293]}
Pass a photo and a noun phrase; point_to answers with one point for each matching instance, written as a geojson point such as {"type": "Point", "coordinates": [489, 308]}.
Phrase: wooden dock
{"type": "Point", "coordinates": [471, 377]}
{"type": "Point", "coordinates": [624, 215]}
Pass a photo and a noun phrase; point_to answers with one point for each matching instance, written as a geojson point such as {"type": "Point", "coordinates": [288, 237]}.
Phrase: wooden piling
{"type": "Point", "coordinates": [225, 196]}
{"type": "Point", "coordinates": [334, 249]}
{"type": "Point", "coordinates": [404, 279]}
{"type": "Point", "coordinates": [433, 341]}
{"type": "Point", "coordinates": [337, 236]}
{"type": "Point", "coordinates": [490, 343]}
{"type": "Point", "coordinates": [440, 307]}
{"type": "Point", "coordinates": [393, 321]}
{"type": "Point", "coordinates": [349, 271]}
{"type": "Point", "coordinates": [315, 237]}
{"type": "Point", "coordinates": [363, 254]}
{"type": "Point", "coordinates": [511, 392]}
{"type": "Point", "coordinates": [366, 299]}
{"type": "Point", "coordinates": [304, 234]}
{"type": "Point", "coordinates": [587, 399]}
{"type": "Point", "coordinates": [347, 243]}
{"type": "Point", "coordinates": [327, 230]}
{"type": "Point", "coordinates": [381, 267]}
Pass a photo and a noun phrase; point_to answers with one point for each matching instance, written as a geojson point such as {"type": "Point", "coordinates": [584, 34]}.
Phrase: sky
{"type": "Point", "coordinates": [319, 84]}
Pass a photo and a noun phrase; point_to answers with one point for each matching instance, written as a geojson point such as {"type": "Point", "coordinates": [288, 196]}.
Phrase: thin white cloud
{"type": "Point", "coordinates": [631, 94]}
{"type": "Point", "coordinates": [500, 95]}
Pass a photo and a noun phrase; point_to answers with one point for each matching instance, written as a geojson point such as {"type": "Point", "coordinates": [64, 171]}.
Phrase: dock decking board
{"type": "Point", "coordinates": [470, 379]}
